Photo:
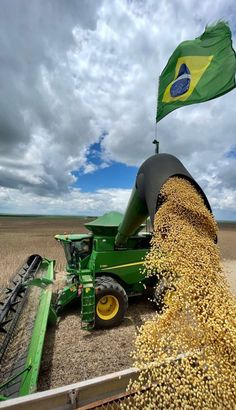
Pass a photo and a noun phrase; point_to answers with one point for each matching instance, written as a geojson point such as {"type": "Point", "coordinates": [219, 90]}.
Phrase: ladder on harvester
{"type": "Point", "coordinates": [87, 301]}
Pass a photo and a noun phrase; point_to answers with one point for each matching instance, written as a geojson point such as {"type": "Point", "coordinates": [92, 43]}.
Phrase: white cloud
{"type": "Point", "coordinates": [91, 69]}
{"type": "Point", "coordinates": [74, 202]}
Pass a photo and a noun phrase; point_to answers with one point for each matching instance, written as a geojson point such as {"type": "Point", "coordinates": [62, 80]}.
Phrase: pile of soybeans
{"type": "Point", "coordinates": [187, 354]}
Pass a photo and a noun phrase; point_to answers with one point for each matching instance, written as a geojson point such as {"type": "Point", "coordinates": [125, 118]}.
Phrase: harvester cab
{"type": "Point", "coordinates": [76, 248]}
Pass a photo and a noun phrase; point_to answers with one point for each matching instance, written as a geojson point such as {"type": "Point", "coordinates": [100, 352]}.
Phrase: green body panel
{"type": "Point", "coordinates": [136, 213]}
{"type": "Point", "coordinates": [66, 295]}
{"type": "Point", "coordinates": [72, 237]}
{"type": "Point", "coordinates": [124, 264]}
{"type": "Point", "coordinates": [106, 225]}
{"type": "Point", "coordinates": [52, 316]}
{"type": "Point", "coordinates": [29, 378]}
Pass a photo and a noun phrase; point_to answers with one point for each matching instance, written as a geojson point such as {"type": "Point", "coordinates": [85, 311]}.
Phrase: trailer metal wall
{"type": "Point", "coordinates": [75, 396]}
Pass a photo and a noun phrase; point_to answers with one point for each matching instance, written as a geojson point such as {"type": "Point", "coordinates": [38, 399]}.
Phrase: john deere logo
{"type": "Point", "coordinates": [182, 83]}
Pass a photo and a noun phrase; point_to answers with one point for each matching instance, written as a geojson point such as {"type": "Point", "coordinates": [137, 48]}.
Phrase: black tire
{"type": "Point", "coordinates": [103, 278]}
{"type": "Point", "coordinates": [159, 292]}
{"type": "Point", "coordinates": [115, 301]}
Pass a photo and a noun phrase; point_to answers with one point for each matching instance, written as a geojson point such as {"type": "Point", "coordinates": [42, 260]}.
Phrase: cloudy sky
{"type": "Point", "coordinates": [78, 82]}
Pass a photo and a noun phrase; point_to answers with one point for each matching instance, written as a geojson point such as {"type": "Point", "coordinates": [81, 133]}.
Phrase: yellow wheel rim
{"type": "Point", "coordinates": [107, 307]}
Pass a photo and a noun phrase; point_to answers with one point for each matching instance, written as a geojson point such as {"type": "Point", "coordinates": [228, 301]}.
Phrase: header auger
{"type": "Point", "coordinates": [20, 366]}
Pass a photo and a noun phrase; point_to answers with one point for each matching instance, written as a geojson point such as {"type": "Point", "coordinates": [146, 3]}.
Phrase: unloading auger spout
{"type": "Point", "coordinates": [145, 199]}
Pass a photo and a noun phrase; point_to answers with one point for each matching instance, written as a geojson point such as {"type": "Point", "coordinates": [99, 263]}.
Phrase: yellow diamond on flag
{"type": "Point", "coordinates": [194, 68]}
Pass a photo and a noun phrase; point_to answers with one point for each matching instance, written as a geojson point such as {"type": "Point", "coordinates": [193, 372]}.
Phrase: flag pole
{"type": "Point", "coordinates": [155, 140]}
{"type": "Point", "coordinates": [156, 146]}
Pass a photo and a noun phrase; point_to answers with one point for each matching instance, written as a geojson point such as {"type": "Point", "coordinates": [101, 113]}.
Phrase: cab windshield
{"type": "Point", "coordinates": [77, 250]}
{"type": "Point", "coordinates": [81, 248]}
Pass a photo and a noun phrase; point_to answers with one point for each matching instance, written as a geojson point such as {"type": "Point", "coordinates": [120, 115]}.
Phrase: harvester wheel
{"type": "Point", "coordinates": [111, 302]}
{"type": "Point", "coordinates": [162, 296]}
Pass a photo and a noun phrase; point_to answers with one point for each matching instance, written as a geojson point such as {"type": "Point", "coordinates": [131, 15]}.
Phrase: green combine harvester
{"type": "Point", "coordinates": [101, 273]}
{"type": "Point", "coordinates": [104, 269]}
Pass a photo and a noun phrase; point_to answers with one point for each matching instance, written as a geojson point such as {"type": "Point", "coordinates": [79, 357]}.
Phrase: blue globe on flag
{"type": "Point", "coordinates": [181, 85]}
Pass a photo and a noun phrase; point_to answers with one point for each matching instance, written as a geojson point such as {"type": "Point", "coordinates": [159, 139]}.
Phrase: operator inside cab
{"type": "Point", "coordinates": [83, 248]}
{"type": "Point", "coordinates": [85, 251]}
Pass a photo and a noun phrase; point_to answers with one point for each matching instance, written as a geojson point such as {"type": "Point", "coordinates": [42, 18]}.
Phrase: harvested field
{"type": "Point", "coordinates": [71, 354]}
{"type": "Point", "coordinates": [23, 236]}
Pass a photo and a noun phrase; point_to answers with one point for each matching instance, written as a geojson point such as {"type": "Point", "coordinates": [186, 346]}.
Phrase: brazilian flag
{"type": "Point", "coordinates": [198, 70]}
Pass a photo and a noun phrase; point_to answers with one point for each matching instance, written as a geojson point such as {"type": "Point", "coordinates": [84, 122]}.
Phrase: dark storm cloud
{"type": "Point", "coordinates": [46, 185]}
{"type": "Point", "coordinates": [35, 36]}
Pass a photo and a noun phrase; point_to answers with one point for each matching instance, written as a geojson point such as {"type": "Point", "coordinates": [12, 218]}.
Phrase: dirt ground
{"type": "Point", "coordinates": [227, 244]}
{"type": "Point", "coordinates": [24, 236]}
{"type": "Point", "coordinates": [71, 354]}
